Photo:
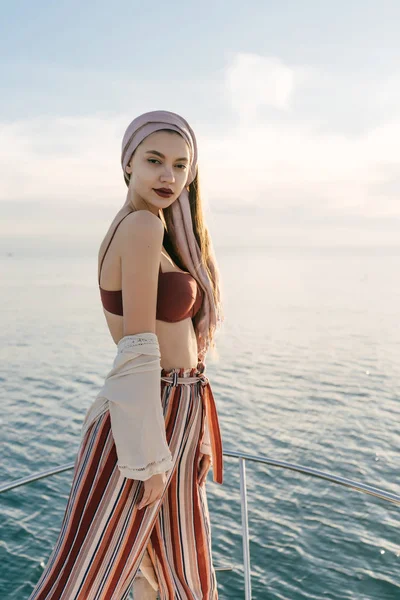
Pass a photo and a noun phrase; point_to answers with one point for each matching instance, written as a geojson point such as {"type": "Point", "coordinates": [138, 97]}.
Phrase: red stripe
{"type": "Point", "coordinates": [79, 506]}
{"type": "Point", "coordinates": [215, 435]}
{"type": "Point", "coordinates": [93, 502]}
{"type": "Point", "coordinates": [201, 541]}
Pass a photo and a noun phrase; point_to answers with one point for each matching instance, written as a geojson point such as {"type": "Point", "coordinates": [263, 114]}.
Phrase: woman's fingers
{"type": "Point", "coordinates": [142, 503]}
{"type": "Point", "coordinates": [152, 489]}
{"type": "Point", "coordinates": [145, 500]}
{"type": "Point", "coordinates": [150, 497]}
{"type": "Point", "coordinates": [204, 466]}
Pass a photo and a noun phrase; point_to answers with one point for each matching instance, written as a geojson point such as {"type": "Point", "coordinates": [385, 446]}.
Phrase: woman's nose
{"type": "Point", "coordinates": [169, 175]}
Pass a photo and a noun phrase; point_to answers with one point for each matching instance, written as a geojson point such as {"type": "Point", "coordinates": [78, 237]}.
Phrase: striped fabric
{"type": "Point", "coordinates": [104, 536]}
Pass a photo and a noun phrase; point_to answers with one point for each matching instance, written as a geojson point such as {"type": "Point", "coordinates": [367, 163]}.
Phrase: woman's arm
{"type": "Point", "coordinates": [133, 386]}
{"type": "Point", "coordinates": [141, 239]}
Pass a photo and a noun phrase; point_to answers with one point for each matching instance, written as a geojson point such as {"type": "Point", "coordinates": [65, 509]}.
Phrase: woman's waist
{"type": "Point", "coordinates": [172, 377]}
{"type": "Point", "coordinates": [183, 374]}
{"type": "Point", "coordinates": [177, 342]}
{"type": "Point", "coordinates": [178, 345]}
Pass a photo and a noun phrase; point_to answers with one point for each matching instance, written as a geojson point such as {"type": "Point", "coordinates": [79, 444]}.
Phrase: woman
{"type": "Point", "coordinates": [138, 494]}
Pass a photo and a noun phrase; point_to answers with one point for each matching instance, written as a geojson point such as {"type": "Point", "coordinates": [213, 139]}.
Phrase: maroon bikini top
{"type": "Point", "coordinates": [178, 296]}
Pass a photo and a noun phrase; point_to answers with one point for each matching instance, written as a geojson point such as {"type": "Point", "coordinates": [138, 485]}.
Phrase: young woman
{"type": "Point", "coordinates": [138, 497]}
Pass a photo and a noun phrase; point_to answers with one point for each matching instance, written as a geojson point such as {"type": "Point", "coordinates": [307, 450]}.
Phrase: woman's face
{"type": "Point", "coordinates": [149, 170]}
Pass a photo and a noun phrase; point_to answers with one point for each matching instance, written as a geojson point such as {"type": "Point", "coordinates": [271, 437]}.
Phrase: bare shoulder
{"type": "Point", "coordinates": [139, 224]}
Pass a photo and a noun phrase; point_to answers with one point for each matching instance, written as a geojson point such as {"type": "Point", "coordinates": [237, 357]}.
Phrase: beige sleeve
{"type": "Point", "coordinates": [133, 389]}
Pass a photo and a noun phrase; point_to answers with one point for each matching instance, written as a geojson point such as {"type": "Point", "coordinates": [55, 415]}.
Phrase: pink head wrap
{"type": "Point", "coordinates": [189, 250]}
{"type": "Point", "coordinates": [153, 121]}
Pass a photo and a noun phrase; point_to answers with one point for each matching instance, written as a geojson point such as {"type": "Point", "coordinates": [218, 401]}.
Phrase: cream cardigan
{"type": "Point", "coordinates": [131, 393]}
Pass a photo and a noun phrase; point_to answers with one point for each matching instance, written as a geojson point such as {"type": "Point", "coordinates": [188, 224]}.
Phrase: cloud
{"type": "Point", "coordinates": [62, 159]}
{"type": "Point", "coordinates": [253, 81]}
{"type": "Point", "coordinates": [291, 158]}
{"type": "Point", "coordinates": [274, 159]}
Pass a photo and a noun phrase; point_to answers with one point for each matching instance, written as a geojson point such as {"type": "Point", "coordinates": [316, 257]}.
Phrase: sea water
{"type": "Point", "coordinates": [308, 372]}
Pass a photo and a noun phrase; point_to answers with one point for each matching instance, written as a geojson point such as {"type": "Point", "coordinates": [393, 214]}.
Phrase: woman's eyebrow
{"type": "Point", "coordinates": [162, 155]}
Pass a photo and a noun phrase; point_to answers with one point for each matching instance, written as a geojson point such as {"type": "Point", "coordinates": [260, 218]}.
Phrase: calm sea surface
{"type": "Point", "coordinates": [308, 372]}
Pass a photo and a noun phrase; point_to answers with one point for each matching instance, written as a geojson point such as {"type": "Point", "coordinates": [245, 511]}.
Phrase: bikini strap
{"type": "Point", "coordinates": [111, 239]}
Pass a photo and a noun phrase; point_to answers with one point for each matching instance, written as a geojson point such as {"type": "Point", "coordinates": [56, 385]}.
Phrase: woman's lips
{"type": "Point", "coordinates": [163, 194]}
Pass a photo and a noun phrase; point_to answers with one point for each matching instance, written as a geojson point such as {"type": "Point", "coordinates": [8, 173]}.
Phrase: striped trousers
{"type": "Point", "coordinates": [104, 536]}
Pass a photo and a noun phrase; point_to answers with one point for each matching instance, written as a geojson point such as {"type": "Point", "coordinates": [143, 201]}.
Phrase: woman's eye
{"type": "Point", "coordinates": [155, 160]}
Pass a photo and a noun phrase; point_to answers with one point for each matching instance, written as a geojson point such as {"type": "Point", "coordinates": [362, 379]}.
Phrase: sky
{"type": "Point", "coordinates": [295, 105]}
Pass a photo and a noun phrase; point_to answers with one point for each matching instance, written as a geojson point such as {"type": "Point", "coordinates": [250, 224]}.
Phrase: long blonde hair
{"type": "Point", "coordinates": [208, 259]}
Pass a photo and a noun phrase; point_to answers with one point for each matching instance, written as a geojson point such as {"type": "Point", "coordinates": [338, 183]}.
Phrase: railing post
{"type": "Point", "coordinates": [245, 529]}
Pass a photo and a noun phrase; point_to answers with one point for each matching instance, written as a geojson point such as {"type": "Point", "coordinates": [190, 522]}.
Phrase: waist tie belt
{"type": "Point", "coordinates": [210, 408]}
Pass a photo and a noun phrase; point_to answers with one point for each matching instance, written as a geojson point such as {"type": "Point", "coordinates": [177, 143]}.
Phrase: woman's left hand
{"type": "Point", "coordinates": [204, 465]}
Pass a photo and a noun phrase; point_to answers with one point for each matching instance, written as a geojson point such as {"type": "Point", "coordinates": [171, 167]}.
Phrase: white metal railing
{"type": "Point", "coordinates": [243, 457]}
{"type": "Point", "coordinates": [359, 487]}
